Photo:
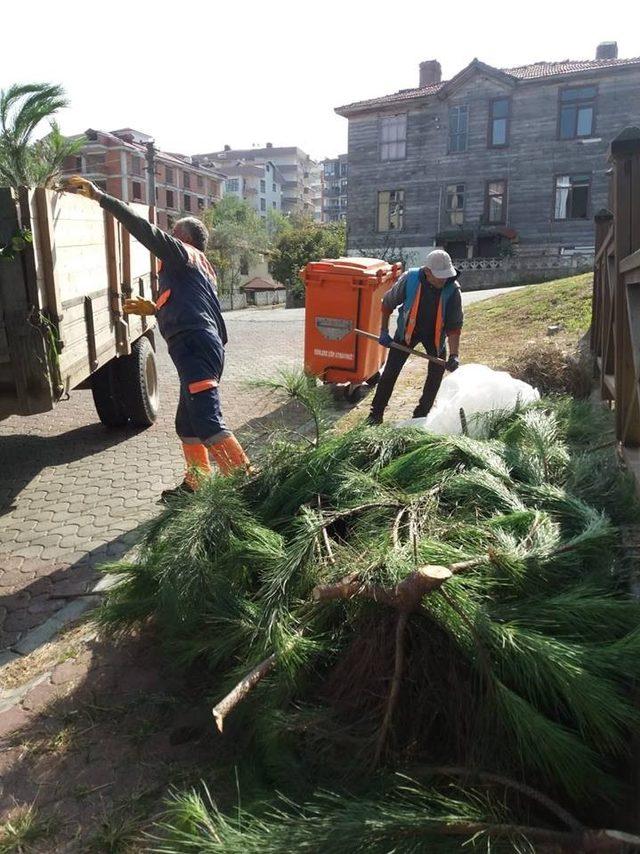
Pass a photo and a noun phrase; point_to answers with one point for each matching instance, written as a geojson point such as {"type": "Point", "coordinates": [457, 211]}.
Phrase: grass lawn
{"type": "Point", "coordinates": [497, 329]}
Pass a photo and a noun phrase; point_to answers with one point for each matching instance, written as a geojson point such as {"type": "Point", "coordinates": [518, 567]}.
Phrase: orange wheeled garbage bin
{"type": "Point", "coordinates": [342, 295]}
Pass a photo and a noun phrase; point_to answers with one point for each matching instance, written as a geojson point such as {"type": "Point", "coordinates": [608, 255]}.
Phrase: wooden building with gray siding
{"type": "Point", "coordinates": [492, 163]}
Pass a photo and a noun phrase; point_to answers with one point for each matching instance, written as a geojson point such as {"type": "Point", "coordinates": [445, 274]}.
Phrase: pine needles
{"type": "Point", "coordinates": [418, 598]}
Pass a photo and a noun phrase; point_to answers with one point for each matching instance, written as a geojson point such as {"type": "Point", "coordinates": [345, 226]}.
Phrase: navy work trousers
{"type": "Point", "coordinates": [199, 359]}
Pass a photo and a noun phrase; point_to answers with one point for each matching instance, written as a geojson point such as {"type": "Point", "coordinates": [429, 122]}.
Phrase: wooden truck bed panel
{"type": "Point", "coordinates": [69, 284]}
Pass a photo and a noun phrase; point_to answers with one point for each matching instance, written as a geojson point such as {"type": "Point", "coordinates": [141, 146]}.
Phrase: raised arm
{"type": "Point", "coordinates": [158, 242]}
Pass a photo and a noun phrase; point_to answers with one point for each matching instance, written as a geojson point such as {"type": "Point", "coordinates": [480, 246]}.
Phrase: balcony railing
{"type": "Point", "coordinates": [527, 263]}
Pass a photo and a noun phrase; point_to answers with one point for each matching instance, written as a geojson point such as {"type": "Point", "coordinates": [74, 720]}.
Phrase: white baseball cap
{"type": "Point", "coordinates": [439, 262]}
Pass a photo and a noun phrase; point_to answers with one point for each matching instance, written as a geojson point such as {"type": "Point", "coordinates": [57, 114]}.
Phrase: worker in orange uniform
{"type": "Point", "coordinates": [430, 313]}
{"type": "Point", "coordinates": [191, 322]}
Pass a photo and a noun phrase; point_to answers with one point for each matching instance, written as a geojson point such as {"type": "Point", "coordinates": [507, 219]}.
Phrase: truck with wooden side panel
{"type": "Point", "coordinates": [65, 267]}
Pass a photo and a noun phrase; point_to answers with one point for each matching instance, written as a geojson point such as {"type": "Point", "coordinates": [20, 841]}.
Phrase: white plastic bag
{"type": "Point", "coordinates": [476, 389]}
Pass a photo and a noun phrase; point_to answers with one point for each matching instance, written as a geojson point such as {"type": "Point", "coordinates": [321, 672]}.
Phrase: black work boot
{"type": "Point", "coordinates": [183, 488]}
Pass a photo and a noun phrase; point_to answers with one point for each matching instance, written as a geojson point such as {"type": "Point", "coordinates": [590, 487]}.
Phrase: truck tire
{"type": "Point", "coordinates": [107, 398]}
{"type": "Point", "coordinates": [138, 375]}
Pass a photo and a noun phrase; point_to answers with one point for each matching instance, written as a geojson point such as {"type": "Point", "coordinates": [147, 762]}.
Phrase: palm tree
{"type": "Point", "coordinates": [26, 163]}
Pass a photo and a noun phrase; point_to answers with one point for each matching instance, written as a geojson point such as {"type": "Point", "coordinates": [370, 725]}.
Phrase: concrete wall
{"type": "Point", "coordinates": [263, 298]}
{"type": "Point", "coordinates": [482, 273]}
{"type": "Point", "coordinates": [228, 304]}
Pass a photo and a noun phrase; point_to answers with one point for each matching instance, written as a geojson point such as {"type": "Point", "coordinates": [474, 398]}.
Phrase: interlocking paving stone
{"type": "Point", "coordinates": [73, 494]}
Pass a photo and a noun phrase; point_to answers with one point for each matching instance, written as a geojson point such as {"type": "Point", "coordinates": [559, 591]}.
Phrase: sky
{"type": "Point", "coordinates": [199, 75]}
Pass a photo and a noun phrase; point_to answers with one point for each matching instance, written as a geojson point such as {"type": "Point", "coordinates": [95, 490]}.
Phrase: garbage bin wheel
{"type": "Point", "coordinates": [374, 380]}
{"type": "Point", "coordinates": [354, 394]}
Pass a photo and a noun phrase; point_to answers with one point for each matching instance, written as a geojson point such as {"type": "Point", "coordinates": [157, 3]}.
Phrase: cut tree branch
{"type": "Point", "coordinates": [587, 841]}
{"type": "Point", "coordinates": [244, 687]}
{"type": "Point", "coordinates": [394, 691]}
{"type": "Point", "coordinates": [325, 536]}
{"type": "Point", "coordinates": [405, 596]}
{"type": "Point", "coordinates": [396, 527]}
{"type": "Point", "coordinates": [491, 779]}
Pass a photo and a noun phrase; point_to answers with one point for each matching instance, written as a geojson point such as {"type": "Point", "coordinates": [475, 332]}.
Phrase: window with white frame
{"type": "Point", "coordinates": [390, 210]}
{"type": "Point", "coordinates": [393, 137]}
{"type": "Point", "coordinates": [572, 197]}
{"type": "Point", "coordinates": [454, 203]}
{"type": "Point", "coordinates": [495, 203]}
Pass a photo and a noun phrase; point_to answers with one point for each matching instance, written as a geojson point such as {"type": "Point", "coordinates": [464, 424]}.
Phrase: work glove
{"type": "Point", "coordinates": [80, 186]}
{"type": "Point", "coordinates": [385, 339]}
{"type": "Point", "coordinates": [139, 306]}
{"type": "Point", "coordinates": [453, 363]}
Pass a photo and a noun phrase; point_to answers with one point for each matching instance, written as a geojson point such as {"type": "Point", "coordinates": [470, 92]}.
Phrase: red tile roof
{"type": "Point", "coordinates": [567, 66]}
{"type": "Point", "coordinates": [533, 71]}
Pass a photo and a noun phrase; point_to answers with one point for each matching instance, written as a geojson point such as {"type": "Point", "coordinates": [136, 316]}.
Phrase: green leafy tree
{"type": "Point", "coordinates": [305, 241]}
{"type": "Point", "coordinates": [238, 237]}
{"type": "Point", "coordinates": [277, 224]}
{"type": "Point", "coordinates": [23, 162]}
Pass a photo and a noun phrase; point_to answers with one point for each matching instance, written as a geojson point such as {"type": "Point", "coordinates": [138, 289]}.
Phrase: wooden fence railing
{"type": "Point", "coordinates": [615, 328]}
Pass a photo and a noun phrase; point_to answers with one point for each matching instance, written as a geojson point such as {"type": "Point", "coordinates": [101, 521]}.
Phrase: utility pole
{"type": "Point", "coordinates": [151, 175]}
{"type": "Point", "coordinates": [151, 199]}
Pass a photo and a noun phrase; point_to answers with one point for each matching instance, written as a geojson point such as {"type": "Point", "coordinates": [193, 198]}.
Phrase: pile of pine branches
{"type": "Point", "coordinates": [388, 601]}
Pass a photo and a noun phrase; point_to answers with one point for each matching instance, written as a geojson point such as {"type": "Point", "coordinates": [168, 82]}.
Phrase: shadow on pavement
{"type": "Point", "coordinates": [24, 456]}
{"type": "Point", "coordinates": [31, 604]}
{"type": "Point", "coordinates": [36, 590]}
{"type": "Point", "coordinates": [98, 745]}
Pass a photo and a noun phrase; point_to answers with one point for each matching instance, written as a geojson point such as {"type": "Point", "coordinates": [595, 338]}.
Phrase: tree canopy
{"type": "Point", "coordinates": [22, 109]}
{"type": "Point", "coordinates": [302, 242]}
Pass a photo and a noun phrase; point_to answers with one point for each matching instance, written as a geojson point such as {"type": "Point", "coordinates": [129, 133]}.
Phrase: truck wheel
{"type": "Point", "coordinates": [138, 377]}
{"type": "Point", "coordinates": [107, 398]}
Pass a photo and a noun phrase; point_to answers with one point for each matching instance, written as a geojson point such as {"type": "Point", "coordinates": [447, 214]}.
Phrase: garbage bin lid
{"type": "Point", "coordinates": [360, 266]}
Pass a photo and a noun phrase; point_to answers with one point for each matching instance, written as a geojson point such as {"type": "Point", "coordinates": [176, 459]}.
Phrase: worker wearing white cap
{"type": "Point", "coordinates": [430, 313]}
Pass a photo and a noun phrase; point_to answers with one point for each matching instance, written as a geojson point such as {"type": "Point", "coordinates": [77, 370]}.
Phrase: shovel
{"type": "Point", "coordinates": [404, 348]}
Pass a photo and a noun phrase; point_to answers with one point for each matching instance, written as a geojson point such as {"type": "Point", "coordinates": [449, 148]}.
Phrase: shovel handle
{"type": "Point", "coordinates": [404, 348]}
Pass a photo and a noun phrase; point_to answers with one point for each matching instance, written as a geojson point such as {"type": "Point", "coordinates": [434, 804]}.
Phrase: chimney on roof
{"type": "Point", "coordinates": [607, 50]}
{"type": "Point", "coordinates": [227, 148]}
{"type": "Point", "coordinates": [430, 73]}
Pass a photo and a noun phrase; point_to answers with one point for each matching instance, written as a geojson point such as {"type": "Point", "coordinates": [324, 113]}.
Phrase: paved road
{"type": "Point", "coordinates": [73, 495]}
